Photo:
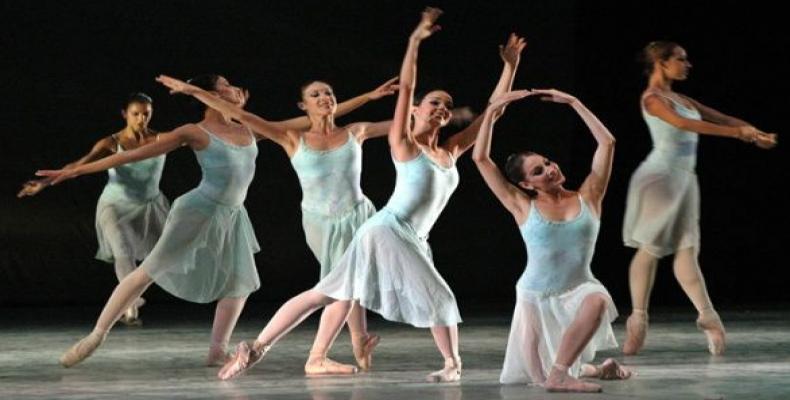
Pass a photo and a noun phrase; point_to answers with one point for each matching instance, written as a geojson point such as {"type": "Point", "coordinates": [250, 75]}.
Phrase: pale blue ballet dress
{"type": "Point", "coordinates": [333, 205]}
{"type": "Point", "coordinates": [549, 293]}
{"type": "Point", "coordinates": [207, 247]}
{"type": "Point", "coordinates": [663, 203]}
{"type": "Point", "coordinates": [131, 211]}
{"type": "Point", "coordinates": [388, 266]}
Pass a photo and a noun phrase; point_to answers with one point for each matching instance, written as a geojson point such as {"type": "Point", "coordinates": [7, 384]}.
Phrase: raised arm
{"type": "Point", "coordinates": [101, 149]}
{"type": "Point", "coordinates": [167, 142]}
{"type": "Point", "coordinates": [656, 106]}
{"type": "Point", "coordinates": [401, 146]}
{"type": "Point", "coordinates": [511, 56]}
{"type": "Point", "coordinates": [508, 194]}
{"type": "Point", "coordinates": [371, 130]}
{"type": "Point", "coordinates": [594, 186]}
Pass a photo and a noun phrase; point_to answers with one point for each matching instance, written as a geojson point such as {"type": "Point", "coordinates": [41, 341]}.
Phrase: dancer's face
{"type": "Point", "coordinates": [137, 116]}
{"type": "Point", "coordinates": [540, 173]}
{"type": "Point", "coordinates": [228, 92]}
{"type": "Point", "coordinates": [677, 67]}
{"type": "Point", "coordinates": [434, 109]}
{"type": "Point", "coordinates": [318, 99]}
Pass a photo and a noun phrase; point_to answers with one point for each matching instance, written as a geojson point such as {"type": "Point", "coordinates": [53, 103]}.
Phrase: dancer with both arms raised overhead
{"type": "Point", "coordinates": [563, 314]}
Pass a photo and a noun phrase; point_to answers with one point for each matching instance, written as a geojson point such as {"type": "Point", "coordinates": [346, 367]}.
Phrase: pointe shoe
{"type": "Point", "coordinates": [710, 323]}
{"type": "Point", "coordinates": [217, 356]}
{"type": "Point", "coordinates": [82, 349]}
{"type": "Point", "coordinates": [636, 333]}
{"type": "Point", "coordinates": [132, 315]}
{"type": "Point", "coordinates": [243, 360]}
{"type": "Point", "coordinates": [610, 369]}
{"type": "Point", "coordinates": [450, 373]}
{"type": "Point", "coordinates": [560, 381]}
{"type": "Point", "coordinates": [363, 352]}
{"type": "Point", "coordinates": [323, 366]}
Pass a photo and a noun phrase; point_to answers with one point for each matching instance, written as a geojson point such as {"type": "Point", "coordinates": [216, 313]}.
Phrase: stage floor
{"type": "Point", "coordinates": [163, 360]}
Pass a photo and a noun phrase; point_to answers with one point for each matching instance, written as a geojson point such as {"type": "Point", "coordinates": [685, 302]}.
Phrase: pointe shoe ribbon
{"type": "Point", "coordinates": [450, 373]}
{"type": "Point", "coordinates": [710, 323]}
{"type": "Point", "coordinates": [243, 360]}
{"type": "Point", "coordinates": [636, 333]}
{"type": "Point", "coordinates": [363, 352]}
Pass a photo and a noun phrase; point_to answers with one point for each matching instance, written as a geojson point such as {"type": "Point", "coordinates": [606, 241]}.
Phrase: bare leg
{"type": "Point", "coordinates": [575, 338]}
{"type": "Point", "coordinates": [446, 338]}
{"type": "Point", "coordinates": [226, 315]}
{"type": "Point", "coordinates": [362, 341]}
{"type": "Point", "coordinates": [293, 312]}
{"type": "Point", "coordinates": [332, 320]}
{"type": "Point", "coordinates": [125, 265]}
{"type": "Point", "coordinates": [641, 276]}
{"type": "Point", "coordinates": [689, 275]}
{"type": "Point", "coordinates": [127, 291]}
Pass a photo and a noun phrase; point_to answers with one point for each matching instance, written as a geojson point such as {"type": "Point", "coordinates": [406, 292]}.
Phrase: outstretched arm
{"type": "Point", "coordinates": [747, 133]}
{"type": "Point", "coordinates": [276, 131]}
{"type": "Point", "coordinates": [386, 89]}
{"type": "Point", "coordinates": [511, 56]}
{"type": "Point", "coordinates": [166, 143]}
{"type": "Point", "coordinates": [715, 116]}
{"type": "Point", "coordinates": [760, 139]}
{"type": "Point", "coordinates": [401, 146]}
{"type": "Point", "coordinates": [101, 149]}
{"type": "Point", "coordinates": [509, 195]}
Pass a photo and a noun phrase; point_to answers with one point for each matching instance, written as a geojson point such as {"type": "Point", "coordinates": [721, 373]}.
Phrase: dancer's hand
{"type": "Point", "coordinates": [511, 52]}
{"type": "Point", "coordinates": [555, 96]}
{"type": "Point", "coordinates": [32, 187]}
{"type": "Point", "coordinates": [748, 133]}
{"type": "Point", "coordinates": [765, 140]}
{"type": "Point", "coordinates": [388, 88]}
{"type": "Point", "coordinates": [462, 115]}
{"type": "Point", "coordinates": [500, 102]}
{"type": "Point", "coordinates": [56, 176]}
{"type": "Point", "coordinates": [427, 26]}
{"type": "Point", "coordinates": [177, 85]}
{"type": "Point", "coordinates": [244, 96]}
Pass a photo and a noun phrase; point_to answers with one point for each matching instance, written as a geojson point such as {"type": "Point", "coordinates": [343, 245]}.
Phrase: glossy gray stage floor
{"type": "Point", "coordinates": [163, 360]}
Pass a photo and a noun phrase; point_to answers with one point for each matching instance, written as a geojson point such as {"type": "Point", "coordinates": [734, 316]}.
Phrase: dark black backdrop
{"type": "Point", "coordinates": [67, 67]}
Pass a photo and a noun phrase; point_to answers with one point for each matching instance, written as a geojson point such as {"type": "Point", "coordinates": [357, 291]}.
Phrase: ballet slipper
{"type": "Point", "coordinates": [246, 356]}
{"type": "Point", "coordinates": [450, 373]}
{"type": "Point", "coordinates": [560, 381]}
{"type": "Point", "coordinates": [710, 323]}
{"type": "Point", "coordinates": [82, 349]}
{"type": "Point", "coordinates": [322, 366]}
{"type": "Point", "coordinates": [363, 347]}
{"type": "Point", "coordinates": [636, 333]}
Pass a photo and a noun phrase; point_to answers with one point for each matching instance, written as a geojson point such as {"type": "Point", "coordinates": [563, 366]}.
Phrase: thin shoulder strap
{"type": "Point", "coordinates": [252, 135]}
{"type": "Point", "coordinates": [204, 129]}
{"type": "Point", "coordinates": [117, 141]}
